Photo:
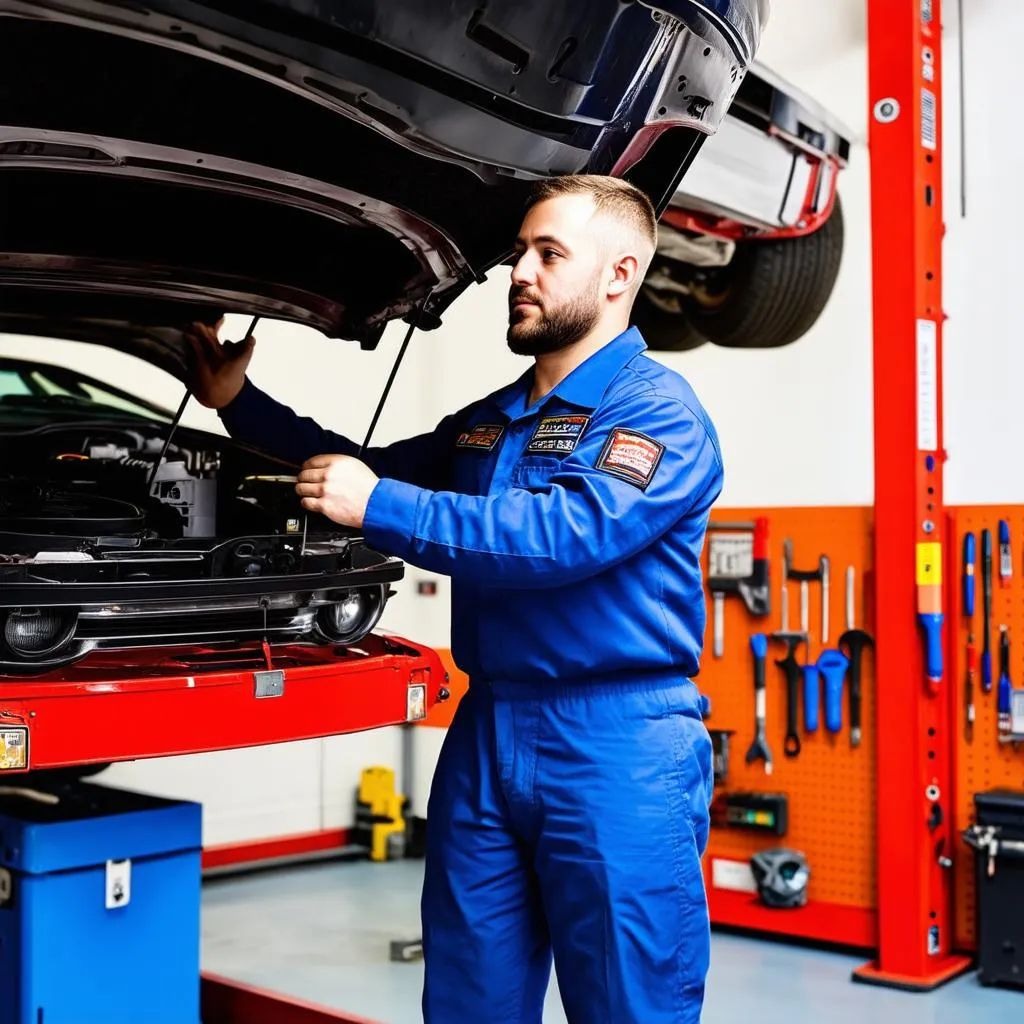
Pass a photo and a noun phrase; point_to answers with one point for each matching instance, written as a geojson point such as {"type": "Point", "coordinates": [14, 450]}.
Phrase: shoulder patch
{"type": "Point", "coordinates": [631, 456]}
{"type": "Point", "coordinates": [557, 434]}
{"type": "Point", "coordinates": [482, 438]}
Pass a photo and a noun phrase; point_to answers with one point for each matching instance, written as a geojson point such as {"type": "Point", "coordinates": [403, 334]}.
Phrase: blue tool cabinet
{"type": "Point", "coordinates": [99, 907]}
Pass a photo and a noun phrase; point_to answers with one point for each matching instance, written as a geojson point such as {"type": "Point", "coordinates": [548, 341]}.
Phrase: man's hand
{"type": "Point", "coordinates": [216, 369]}
{"type": "Point", "coordinates": [337, 486]}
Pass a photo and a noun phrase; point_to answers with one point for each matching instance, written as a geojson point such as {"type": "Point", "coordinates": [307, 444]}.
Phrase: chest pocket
{"type": "Point", "coordinates": [472, 472]}
{"type": "Point", "coordinates": [534, 472]}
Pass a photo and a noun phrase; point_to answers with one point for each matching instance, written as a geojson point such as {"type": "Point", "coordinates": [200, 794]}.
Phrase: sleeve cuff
{"type": "Point", "coordinates": [391, 513]}
{"type": "Point", "coordinates": [235, 411]}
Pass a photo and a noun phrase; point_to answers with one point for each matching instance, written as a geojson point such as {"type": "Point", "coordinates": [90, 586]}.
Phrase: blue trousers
{"type": "Point", "coordinates": [568, 823]}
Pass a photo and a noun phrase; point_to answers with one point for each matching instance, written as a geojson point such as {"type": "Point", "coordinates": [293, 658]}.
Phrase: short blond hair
{"type": "Point", "coordinates": [612, 196]}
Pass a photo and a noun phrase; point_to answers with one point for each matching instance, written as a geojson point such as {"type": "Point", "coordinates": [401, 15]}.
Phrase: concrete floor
{"type": "Point", "coordinates": [322, 933]}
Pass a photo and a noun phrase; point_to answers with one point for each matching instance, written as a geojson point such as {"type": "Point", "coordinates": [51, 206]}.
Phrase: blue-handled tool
{"type": "Point", "coordinates": [812, 697]}
{"type": "Point", "coordinates": [758, 750]}
{"type": "Point", "coordinates": [1005, 554]}
{"type": "Point", "coordinates": [969, 562]}
{"type": "Point", "coordinates": [1005, 687]}
{"type": "Point", "coordinates": [832, 665]}
{"type": "Point", "coordinates": [986, 597]}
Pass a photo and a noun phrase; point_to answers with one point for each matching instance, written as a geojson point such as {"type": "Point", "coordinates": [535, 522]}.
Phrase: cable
{"type": "Point", "coordinates": [179, 414]}
{"type": "Point", "coordinates": [394, 373]}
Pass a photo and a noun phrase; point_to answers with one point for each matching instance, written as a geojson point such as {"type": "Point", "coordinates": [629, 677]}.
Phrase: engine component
{"type": "Point", "coordinates": [39, 510]}
{"type": "Point", "coordinates": [194, 498]}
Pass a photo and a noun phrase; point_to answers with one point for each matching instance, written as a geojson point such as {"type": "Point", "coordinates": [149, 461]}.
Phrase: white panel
{"type": "Point", "coordinates": [344, 758]}
{"type": "Point", "coordinates": [983, 357]}
{"type": "Point", "coordinates": [246, 794]}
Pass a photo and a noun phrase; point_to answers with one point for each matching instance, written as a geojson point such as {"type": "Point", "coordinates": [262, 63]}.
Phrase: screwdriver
{"type": "Point", "coordinates": [986, 593]}
{"type": "Point", "coordinates": [1005, 689]}
{"type": "Point", "coordinates": [969, 560]}
{"type": "Point", "coordinates": [972, 667]}
{"type": "Point", "coordinates": [1005, 555]}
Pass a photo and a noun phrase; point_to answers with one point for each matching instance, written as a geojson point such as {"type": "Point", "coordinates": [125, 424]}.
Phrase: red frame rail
{"type": "Point", "coordinates": [155, 703]}
{"type": "Point", "coordinates": [224, 1001]}
{"type": "Point", "coordinates": [915, 742]}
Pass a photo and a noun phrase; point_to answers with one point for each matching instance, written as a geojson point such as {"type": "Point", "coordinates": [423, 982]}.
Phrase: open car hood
{"type": "Point", "coordinates": [336, 164]}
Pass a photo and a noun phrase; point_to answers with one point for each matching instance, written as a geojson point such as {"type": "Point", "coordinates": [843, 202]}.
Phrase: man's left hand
{"type": "Point", "coordinates": [337, 486]}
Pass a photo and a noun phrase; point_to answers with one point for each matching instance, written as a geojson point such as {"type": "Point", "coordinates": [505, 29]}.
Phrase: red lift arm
{"type": "Point", "coordinates": [915, 740]}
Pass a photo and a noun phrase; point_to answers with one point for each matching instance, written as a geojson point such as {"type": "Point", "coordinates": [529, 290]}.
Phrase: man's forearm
{"type": "Point", "coordinates": [257, 419]}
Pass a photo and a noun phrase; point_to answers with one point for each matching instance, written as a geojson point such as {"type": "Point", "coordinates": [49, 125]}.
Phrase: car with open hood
{"type": "Point", "coordinates": [334, 164]}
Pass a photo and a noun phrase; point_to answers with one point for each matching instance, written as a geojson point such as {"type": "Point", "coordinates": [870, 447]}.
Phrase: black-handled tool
{"type": "Point", "coordinates": [791, 667]}
{"type": "Point", "coordinates": [759, 748]}
{"type": "Point", "coordinates": [854, 640]}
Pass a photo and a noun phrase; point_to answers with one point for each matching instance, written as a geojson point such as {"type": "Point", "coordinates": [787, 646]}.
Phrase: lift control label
{"type": "Point", "coordinates": [13, 749]}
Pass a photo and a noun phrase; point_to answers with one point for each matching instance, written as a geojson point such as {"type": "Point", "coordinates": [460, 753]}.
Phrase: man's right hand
{"type": "Point", "coordinates": [216, 368]}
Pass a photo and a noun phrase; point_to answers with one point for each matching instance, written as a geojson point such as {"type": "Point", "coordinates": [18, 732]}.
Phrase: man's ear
{"type": "Point", "coordinates": [624, 274]}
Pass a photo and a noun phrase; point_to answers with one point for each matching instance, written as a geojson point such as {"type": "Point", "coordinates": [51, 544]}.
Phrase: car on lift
{"type": "Point", "coordinates": [337, 165]}
{"type": "Point", "coordinates": [750, 245]}
{"type": "Point", "coordinates": [116, 534]}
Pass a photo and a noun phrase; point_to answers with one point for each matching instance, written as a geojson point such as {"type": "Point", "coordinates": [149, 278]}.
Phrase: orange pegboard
{"type": "Point", "coordinates": [830, 784]}
{"type": "Point", "coordinates": [982, 763]}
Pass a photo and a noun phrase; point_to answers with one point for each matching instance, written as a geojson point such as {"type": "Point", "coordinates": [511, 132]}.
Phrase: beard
{"type": "Point", "coordinates": [551, 329]}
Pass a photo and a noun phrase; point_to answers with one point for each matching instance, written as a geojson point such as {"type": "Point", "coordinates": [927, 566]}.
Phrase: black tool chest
{"type": "Point", "coordinates": [997, 838]}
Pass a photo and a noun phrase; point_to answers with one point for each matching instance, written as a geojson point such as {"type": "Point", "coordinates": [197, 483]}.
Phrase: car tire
{"type": "Point", "coordinates": [661, 318]}
{"type": "Point", "coordinates": [772, 292]}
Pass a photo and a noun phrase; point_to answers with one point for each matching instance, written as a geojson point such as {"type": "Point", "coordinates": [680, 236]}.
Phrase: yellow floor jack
{"type": "Point", "coordinates": [380, 823]}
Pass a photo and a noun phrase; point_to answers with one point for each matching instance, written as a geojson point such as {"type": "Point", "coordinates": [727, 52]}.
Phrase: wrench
{"type": "Point", "coordinates": [759, 748]}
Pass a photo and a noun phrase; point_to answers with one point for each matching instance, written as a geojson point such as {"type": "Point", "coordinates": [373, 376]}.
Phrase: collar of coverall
{"type": "Point", "coordinates": [585, 386]}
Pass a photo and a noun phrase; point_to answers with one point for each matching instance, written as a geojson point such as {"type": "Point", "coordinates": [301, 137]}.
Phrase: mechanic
{"type": "Point", "coordinates": [569, 810]}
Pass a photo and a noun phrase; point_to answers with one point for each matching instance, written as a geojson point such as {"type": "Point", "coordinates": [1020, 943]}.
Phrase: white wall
{"type": "Point", "coordinates": [983, 354]}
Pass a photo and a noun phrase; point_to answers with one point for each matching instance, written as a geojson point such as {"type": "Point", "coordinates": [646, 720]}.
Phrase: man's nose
{"type": "Point", "coordinates": [523, 270]}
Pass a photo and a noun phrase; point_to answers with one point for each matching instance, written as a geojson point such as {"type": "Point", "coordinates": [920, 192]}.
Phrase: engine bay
{"type": "Point", "coordinates": [94, 491]}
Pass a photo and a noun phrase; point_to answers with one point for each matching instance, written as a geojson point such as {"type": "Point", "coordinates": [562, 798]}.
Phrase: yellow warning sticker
{"type": "Point", "coordinates": [929, 564]}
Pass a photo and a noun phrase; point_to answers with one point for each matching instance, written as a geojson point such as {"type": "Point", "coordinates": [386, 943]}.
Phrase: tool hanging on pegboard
{"type": "Point", "coordinates": [738, 564]}
{"type": "Point", "coordinates": [854, 640]}
{"type": "Point", "coordinates": [806, 577]}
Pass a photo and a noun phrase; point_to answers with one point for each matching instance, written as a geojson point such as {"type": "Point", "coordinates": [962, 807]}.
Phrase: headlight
{"type": "Point", "coordinates": [37, 632]}
{"type": "Point", "coordinates": [351, 618]}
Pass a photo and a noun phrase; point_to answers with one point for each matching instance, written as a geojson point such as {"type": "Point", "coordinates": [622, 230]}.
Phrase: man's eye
{"type": "Point", "coordinates": [550, 254]}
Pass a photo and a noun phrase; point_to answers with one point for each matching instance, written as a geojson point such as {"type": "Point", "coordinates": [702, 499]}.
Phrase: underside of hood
{"type": "Point", "coordinates": [333, 164]}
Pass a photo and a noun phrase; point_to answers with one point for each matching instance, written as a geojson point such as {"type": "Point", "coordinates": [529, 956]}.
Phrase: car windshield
{"type": "Point", "coordinates": [34, 388]}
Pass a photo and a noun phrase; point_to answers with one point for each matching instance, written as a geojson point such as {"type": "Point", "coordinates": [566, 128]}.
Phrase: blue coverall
{"type": "Point", "coordinates": [570, 805]}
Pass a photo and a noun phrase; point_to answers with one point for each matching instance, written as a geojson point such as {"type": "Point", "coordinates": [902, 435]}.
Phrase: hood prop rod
{"type": "Point", "coordinates": [394, 373]}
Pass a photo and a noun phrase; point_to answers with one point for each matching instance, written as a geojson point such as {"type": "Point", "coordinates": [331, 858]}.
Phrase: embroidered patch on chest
{"type": "Point", "coordinates": [631, 456]}
{"type": "Point", "coordinates": [559, 434]}
{"type": "Point", "coordinates": [483, 437]}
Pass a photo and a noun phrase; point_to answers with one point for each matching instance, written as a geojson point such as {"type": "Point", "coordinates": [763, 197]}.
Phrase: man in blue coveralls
{"type": "Point", "coordinates": [570, 805]}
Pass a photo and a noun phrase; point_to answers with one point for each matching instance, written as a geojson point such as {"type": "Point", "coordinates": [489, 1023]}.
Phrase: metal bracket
{"type": "Point", "coordinates": [269, 684]}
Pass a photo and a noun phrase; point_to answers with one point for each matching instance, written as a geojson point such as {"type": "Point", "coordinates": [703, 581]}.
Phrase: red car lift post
{"type": "Point", "coordinates": [915, 735]}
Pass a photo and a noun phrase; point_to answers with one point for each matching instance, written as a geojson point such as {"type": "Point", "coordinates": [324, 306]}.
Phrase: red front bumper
{"type": "Point", "coordinates": [153, 703]}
